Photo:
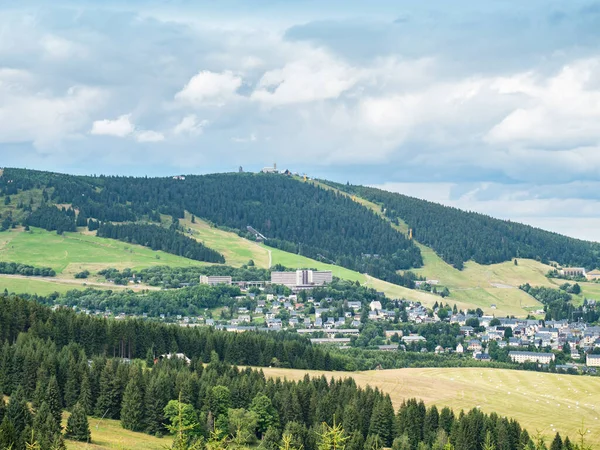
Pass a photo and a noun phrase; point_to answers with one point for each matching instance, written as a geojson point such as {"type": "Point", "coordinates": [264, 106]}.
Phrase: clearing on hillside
{"type": "Point", "coordinates": [108, 434]}
{"type": "Point", "coordinates": [70, 253]}
{"type": "Point", "coordinates": [543, 402]}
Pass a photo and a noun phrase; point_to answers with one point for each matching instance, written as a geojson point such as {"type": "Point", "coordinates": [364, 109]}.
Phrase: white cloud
{"type": "Point", "coordinates": [315, 76]}
{"type": "Point", "coordinates": [29, 113]}
{"type": "Point", "coordinates": [560, 111]}
{"type": "Point", "coordinates": [190, 125]}
{"type": "Point", "coordinates": [243, 140]}
{"type": "Point", "coordinates": [56, 47]}
{"type": "Point", "coordinates": [149, 136]}
{"type": "Point", "coordinates": [209, 88]}
{"type": "Point", "coordinates": [119, 127]}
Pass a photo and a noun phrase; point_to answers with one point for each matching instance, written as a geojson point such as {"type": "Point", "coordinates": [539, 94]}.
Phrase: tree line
{"type": "Point", "coordinates": [159, 238]}
{"type": "Point", "coordinates": [215, 405]}
{"type": "Point", "coordinates": [173, 277]}
{"type": "Point", "coordinates": [132, 338]}
{"type": "Point", "coordinates": [459, 236]}
{"type": "Point", "coordinates": [13, 268]}
{"type": "Point", "coordinates": [299, 217]}
{"type": "Point", "coordinates": [52, 218]}
{"type": "Point", "coordinates": [558, 303]}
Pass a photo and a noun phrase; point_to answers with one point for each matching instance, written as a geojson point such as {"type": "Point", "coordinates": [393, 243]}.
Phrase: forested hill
{"type": "Point", "coordinates": [303, 218]}
{"type": "Point", "coordinates": [459, 236]}
{"type": "Point", "coordinates": [294, 216]}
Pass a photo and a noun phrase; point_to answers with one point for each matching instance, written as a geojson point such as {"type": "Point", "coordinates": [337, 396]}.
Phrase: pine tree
{"type": "Point", "coordinates": [557, 443]}
{"type": "Point", "coordinates": [9, 437]}
{"type": "Point", "coordinates": [85, 394]}
{"type": "Point", "coordinates": [332, 437]}
{"type": "Point", "coordinates": [41, 386]}
{"type": "Point", "coordinates": [45, 428]}
{"type": "Point", "coordinates": [18, 412]}
{"type": "Point", "coordinates": [488, 444]}
{"type": "Point", "coordinates": [132, 410]}
{"type": "Point", "coordinates": [78, 428]}
{"type": "Point", "coordinates": [53, 400]}
{"type": "Point", "coordinates": [107, 403]}
{"type": "Point", "coordinates": [154, 406]}
{"type": "Point", "coordinates": [382, 420]}
{"type": "Point", "coordinates": [373, 442]}
{"type": "Point", "coordinates": [72, 386]}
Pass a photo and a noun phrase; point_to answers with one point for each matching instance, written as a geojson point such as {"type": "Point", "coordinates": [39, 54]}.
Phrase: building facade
{"type": "Point", "coordinates": [523, 357]}
{"type": "Point", "coordinates": [573, 272]}
{"type": "Point", "coordinates": [302, 279]}
{"type": "Point", "coordinates": [592, 361]}
{"type": "Point", "coordinates": [215, 280]}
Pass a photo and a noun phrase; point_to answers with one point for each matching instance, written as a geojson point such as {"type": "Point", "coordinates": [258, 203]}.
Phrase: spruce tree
{"type": "Point", "coordinates": [107, 403]}
{"type": "Point", "coordinates": [154, 406]}
{"type": "Point", "coordinates": [132, 411]}
{"type": "Point", "coordinates": [557, 443]}
{"type": "Point", "coordinates": [45, 429]}
{"type": "Point", "coordinates": [78, 428]}
{"type": "Point", "coordinates": [373, 442]}
{"type": "Point", "coordinates": [53, 400]}
{"type": "Point", "coordinates": [41, 386]}
{"type": "Point", "coordinates": [18, 412]}
{"type": "Point", "coordinates": [9, 437]}
{"type": "Point", "coordinates": [73, 384]}
{"type": "Point", "coordinates": [382, 420]}
{"type": "Point", "coordinates": [85, 394]}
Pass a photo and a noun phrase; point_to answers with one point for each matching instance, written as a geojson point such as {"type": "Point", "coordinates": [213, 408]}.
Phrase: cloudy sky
{"type": "Point", "coordinates": [491, 106]}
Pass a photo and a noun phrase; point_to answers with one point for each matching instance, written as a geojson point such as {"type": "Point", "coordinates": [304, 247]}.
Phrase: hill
{"type": "Point", "coordinates": [315, 224]}
{"type": "Point", "coordinates": [299, 218]}
{"type": "Point", "coordinates": [459, 236]}
{"type": "Point", "coordinates": [539, 401]}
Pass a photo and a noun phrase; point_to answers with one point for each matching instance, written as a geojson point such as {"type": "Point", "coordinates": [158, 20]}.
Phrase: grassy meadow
{"type": "Point", "coordinates": [108, 434]}
{"type": "Point", "coordinates": [539, 401]}
{"type": "Point", "coordinates": [73, 252]}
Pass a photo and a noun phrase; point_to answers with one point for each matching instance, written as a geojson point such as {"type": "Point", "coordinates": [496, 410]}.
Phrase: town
{"type": "Point", "coordinates": [393, 324]}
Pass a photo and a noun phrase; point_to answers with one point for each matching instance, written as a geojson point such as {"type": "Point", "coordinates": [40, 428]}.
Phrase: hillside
{"type": "Point", "coordinates": [459, 236]}
{"type": "Point", "coordinates": [362, 230]}
{"type": "Point", "coordinates": [540, 401]}
{"type": "Point", "coordinates": [299, 218]}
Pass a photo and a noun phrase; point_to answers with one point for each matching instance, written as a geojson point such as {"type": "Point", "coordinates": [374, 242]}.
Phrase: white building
{"type": "Point", "coordinates": [523, 357]}
{"type": "Point", "coordinates": [573, 272]}
{"type": "Point", "coordinates": [302, 279]}
{"type": "Point", "coordinates": [214, 280]}
{"type": "Point", "coordinates": [270, 169]}
{"type": "Point", "coordinates": [375, 305]}
{"type": "Point", "coordinates": [592, 361]}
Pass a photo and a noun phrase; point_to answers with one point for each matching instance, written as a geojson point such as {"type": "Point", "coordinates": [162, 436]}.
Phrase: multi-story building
{"type": "Point", "coordinates": [523, 357]}
{"type": "Point", "coordinates": [302, 279]}
{"type": "Point", "coordinates": [214, 280]}
{"type": "Point", "coordinates": [592, 361]}
{"type": "Point", "coordinates": [573, 272]}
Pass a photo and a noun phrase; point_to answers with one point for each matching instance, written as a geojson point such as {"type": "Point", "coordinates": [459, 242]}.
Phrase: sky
{"type": "Point", "coordinates": [488, 106]}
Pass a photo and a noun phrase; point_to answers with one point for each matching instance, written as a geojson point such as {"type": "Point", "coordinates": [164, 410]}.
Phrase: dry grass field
{"type": "Point", "coordinates": [539, 401]}
{"type": "Point", "coordinates": [108, 434]}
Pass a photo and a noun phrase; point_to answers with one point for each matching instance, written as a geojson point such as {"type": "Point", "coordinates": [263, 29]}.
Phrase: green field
{"type": "Point", "coordinates": [108, 434]}
{"type": "Point", "coordinates": [36, 286]}
{"type": "Point", "coordinates": [539, 401]}
{"type": "Point", "coordinates": [74, 252]}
